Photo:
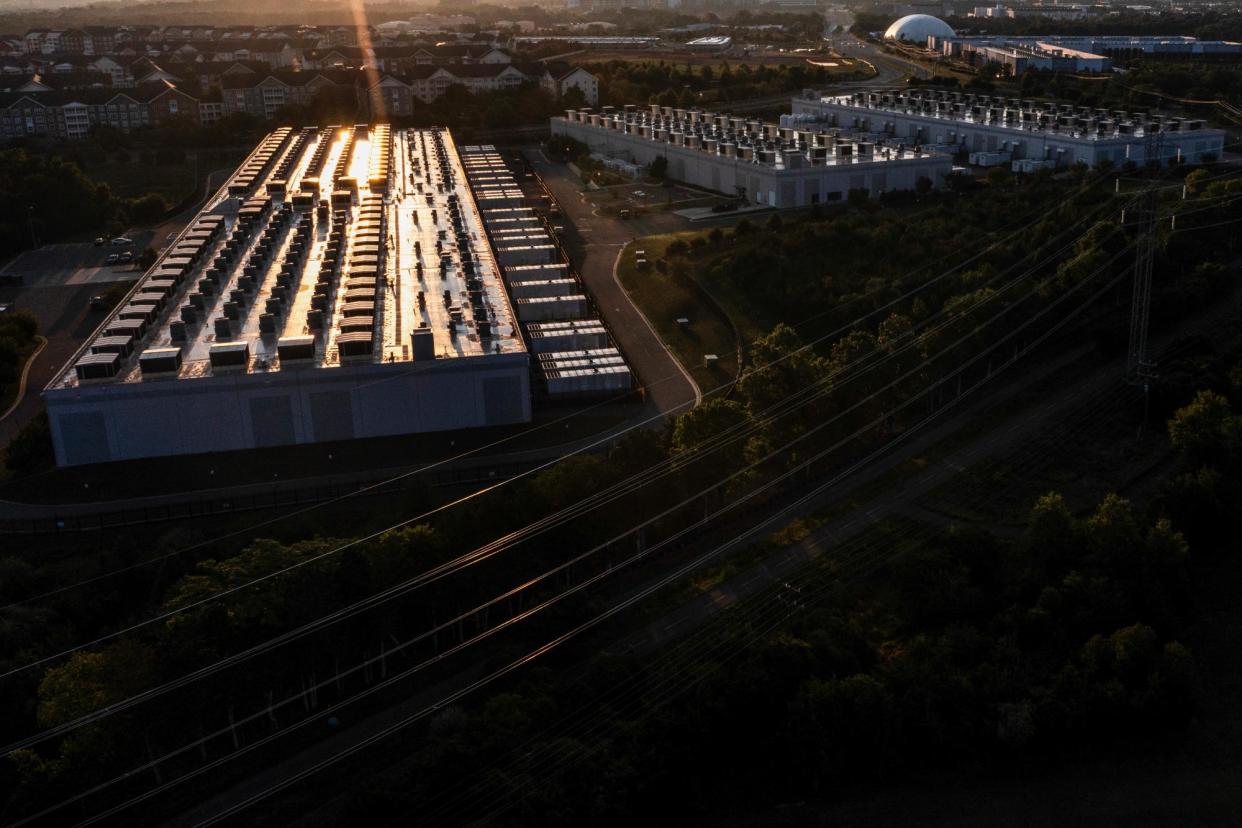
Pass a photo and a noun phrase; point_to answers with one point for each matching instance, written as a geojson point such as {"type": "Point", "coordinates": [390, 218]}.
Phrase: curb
{"type": "Point", "coordinates": [21, 384]}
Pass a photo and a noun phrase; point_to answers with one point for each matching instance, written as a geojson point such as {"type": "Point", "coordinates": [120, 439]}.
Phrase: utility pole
{"type": "Point", "coordinates": [1140, 370]}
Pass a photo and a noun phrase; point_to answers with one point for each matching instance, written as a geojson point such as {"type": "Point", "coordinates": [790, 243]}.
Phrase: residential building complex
{"type": "Point", "coordinates": [60, 84]}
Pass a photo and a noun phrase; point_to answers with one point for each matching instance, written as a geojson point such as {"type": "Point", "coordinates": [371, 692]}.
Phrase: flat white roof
{"type": "Point", "coordinates": [407, 217]}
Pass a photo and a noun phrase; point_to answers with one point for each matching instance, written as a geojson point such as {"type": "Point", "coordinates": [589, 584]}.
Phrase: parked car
{"type": "Point", "coordinates": [127, 257]}
{"type": "Point", "coordinates": [99, 241]}
{"type": "Point", "coordinates": [98, 302]}
{"type": "Point", "coordinates": [121, 241]}
{"type": "Point", "coordinates": [112, 259]}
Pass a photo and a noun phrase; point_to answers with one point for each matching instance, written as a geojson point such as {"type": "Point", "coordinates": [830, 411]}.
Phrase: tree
{"type": "Point", "coordinates": [1052, 534]}
{"type": "Point", "coordinates": [31, 448]}
{"type": "Point", "coordinates": [659, 167]}
{"type": "Point", "coordinates": [695, 429]}
{"type": "Point", "coordinates": [574, 98]}
{"type": "Point", "coordinates": [1206, 431]}
{"type": "Point", "coordinates": [147, 258]}
{"type": "Point", "coordinates": [87, 682]}
{"type": "Point", "coordinates": [677, 247]}
{"type": "Point", "coordinates": [783, 367]}
{"type": "Point", "coordinates": [148, 209]}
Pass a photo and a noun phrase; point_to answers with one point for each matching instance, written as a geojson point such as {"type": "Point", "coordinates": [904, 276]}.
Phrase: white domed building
{"type": "Point", "coordinates": [916, 28]}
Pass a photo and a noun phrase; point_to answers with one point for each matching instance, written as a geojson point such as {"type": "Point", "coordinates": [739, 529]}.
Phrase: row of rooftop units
{"type": "Point", "coordinates": [278, 182]}
{"type": "Point", "coordinates": [379, 165]}
{"type": "Point", "coordinates": [162, 284]}
{"type": "Point", "coordinates": [468, 314]}
{"type": "Point", "coordinates": [314, 181]}
{"type": "Point", "coordinates": [124, 333]}
{"type": "Point", "coordinates": [237, 297]}
{"type": "Point", "coordinates": [1014, 112]}
{"type": "Point", "coordinates": [746, 140]}
{"type": "Point", "coordinates": [456, 251]}
{"type": "Point", "coordinates": [442, 168]}
{"type": "Point", "coordinates": [318, 160]}
{"type": "Point", "coordinates": [356, 328]}
{"type": "Point", "coordinates": [255, 168]}
{"type": "Point", "coordinates": [255, 270]}
{"type": "Point", "coordinates": [574, 355]}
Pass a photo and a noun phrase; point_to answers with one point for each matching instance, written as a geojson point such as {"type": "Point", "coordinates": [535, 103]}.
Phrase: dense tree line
{"type": "Point", "coordinates": [668, 84]}
{"type": "Point", "coordinates": [18, 332]}
{"type": "Point", "coordinates": [47, 199]}
{"type": "Point", "coordinates": [965, 649]}
{"type": "Point", "coordinates": [968, 643]}
{"type": "Point", "coordinates": [1142, 88]}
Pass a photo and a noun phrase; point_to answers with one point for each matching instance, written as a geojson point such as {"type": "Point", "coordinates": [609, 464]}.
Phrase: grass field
{"type": "Point", "coordinates": [665, 299]}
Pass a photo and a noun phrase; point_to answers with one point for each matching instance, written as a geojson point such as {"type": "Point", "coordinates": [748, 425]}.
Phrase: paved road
{"type": "Point", "coordinates": [669, 388]}
{"type": "Point", "coordinates": [891, 70]}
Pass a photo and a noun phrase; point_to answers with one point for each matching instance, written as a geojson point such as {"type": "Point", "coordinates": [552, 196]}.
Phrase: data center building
{"type": "Point", "coordinates": [340, 285]}
{"type": "Point", "coordinates": [763, 163]}
{"type": "Point", "coordinates": [1047, 133]}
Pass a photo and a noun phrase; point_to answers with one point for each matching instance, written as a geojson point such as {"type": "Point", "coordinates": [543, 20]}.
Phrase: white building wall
{"type": "Point", "coordinates": [761, 183]}
{"type": "Point", "coordinates": [1039, 145]}
{"type": "Point", "coordinates": [112, 421]}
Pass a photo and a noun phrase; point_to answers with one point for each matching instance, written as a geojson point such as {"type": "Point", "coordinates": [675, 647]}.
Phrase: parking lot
{"type": "Point", "coordinates": [57, 265]}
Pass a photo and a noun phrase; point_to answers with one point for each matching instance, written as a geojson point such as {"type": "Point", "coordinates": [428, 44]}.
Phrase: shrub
{"type": "Point", "coordinates": [32, 447]}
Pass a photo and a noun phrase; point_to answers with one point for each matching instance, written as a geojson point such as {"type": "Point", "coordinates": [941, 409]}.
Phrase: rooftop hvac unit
{"type": "Point", "coordinates": [295, 348]}
{"type": "Point", "coordinates": [97, 367]}
{"type": "Point", "coordinates": [135, 328]}
{"type": "Point", "coordinates": [123, 345]}
{"type": "Point", "coordinates": [229, 355]}
{"type": "Point", "coordinates": [160, 361]}
{"type": "Point", "coordinates": [355, 345]}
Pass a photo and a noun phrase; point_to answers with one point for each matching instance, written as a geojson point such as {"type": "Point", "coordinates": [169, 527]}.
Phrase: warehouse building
{"type": "Point", "coordinates": [1009, 130]}
{"type": "Point", "coordinates": [576, 355]}
{"type": "Point", "coordinates": [761, 162]}
{"type": "Point", "coordinates": [1019, 55]}
{"type": "Point", "coordinates": [1075, 53]}
{"type": "Point", "coordinates": [340, 285]}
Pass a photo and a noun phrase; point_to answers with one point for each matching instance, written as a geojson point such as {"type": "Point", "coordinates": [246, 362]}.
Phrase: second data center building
{"type": "Point", "coordinates": [764, 163]}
